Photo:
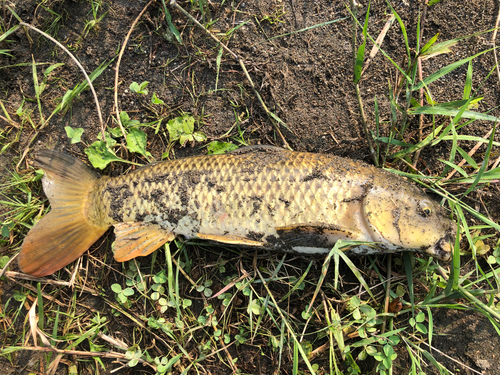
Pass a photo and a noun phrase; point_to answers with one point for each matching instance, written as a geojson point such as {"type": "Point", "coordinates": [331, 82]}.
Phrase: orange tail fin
{"type": "Point", "coordinates": [66, 232]}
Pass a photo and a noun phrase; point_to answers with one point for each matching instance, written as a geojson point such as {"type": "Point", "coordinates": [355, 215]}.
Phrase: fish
{"type": "Point", "coordinates": [258, 196]}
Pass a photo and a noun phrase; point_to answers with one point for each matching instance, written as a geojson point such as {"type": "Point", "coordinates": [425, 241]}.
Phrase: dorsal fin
{"type": "Point", "coordinates": [257, 148]}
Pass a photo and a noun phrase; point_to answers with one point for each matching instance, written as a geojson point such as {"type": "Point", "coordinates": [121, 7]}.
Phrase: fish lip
{"type": "Point", "coordinates": [442, 249]}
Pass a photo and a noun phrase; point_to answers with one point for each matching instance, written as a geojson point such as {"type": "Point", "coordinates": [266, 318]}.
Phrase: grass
{"type": "Point", "coordinates": [192, 307]}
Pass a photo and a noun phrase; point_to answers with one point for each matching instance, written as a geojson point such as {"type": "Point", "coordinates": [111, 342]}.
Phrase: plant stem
{"type": "Point", "coordinates": [354, 8]}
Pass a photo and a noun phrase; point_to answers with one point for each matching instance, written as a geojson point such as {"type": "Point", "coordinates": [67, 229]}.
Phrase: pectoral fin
{"type": "Point", "coordinates": [233, 240]}
{"type": "Point", "coordinates": [138, 240]}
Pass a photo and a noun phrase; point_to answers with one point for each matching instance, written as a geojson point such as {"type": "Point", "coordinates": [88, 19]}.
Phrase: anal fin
{"type": "Point", "coordinates": [229, 239]}
{"type": "Point", "coordinates": [134, 240]}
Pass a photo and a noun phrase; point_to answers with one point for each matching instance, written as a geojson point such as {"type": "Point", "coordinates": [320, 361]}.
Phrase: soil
{"type": "Point", "coordinates": [304, 77]}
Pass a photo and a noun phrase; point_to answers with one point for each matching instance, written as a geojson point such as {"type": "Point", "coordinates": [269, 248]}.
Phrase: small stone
{"type": "Point", "coordinates": [483, 364]}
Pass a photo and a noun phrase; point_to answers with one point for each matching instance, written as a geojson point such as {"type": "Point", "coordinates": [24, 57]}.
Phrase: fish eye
{"type": "Point", "coordinates": [425, 208]}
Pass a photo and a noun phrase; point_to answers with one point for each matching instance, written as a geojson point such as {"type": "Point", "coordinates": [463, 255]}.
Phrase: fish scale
{"type": "Point", "coordinates": [251, 193]}
{"type": "Point", "coordinates": [257, 196]}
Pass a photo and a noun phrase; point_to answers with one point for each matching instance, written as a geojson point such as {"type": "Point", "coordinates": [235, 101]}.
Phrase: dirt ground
{"type": "Point", "coordinates": [305, 78]}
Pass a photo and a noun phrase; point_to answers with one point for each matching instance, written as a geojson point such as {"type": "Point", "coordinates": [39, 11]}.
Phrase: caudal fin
{"type": "Point", "coordinates": [66, 232]}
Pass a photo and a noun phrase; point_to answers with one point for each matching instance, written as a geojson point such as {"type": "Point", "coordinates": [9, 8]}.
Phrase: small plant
{"type": "Point", "coordinates": [495, 257]}
{"type": "Point", "coordinates": [274, 17]}
{"type": "Point", "coordinates": [181, 129]}
{"type": "Point", "coordinates": [92, 24]}
{"type": "Point", "coordinates": [140, 88]}
{"type": "Point", "coordinates": [164, 364]}
{"type": "Point", "coordinates": [74, 134]}
{"type": "Point", "coordinates": [122, 294]}
{"type": "Point", "coordinates": [417, 322]}
{"type": "Point", "coordinates": [205, 288]}
{"type": "Point", "coordinates": [133, 354]}
{"type": "Point", "coordinates": [218, 147]}
{"type": "Point", "coordinates": [386, 356]}
{"type": "Point", "coordinates": [241, 337]}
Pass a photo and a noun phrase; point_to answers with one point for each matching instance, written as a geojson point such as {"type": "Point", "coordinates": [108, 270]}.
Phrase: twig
{"type": "Point", "coordinates": [420, 76]}
{"type": "Point", "coordinates": [10, 122]}
{"type": "Point", "coordinates": [23, 276]}
{"type": "Point", "coordinates": [109, 354]}
{"type": "Point", "coordinates": [421, 117]}
{"type": "Point", "coordinates": [81, 68]}
{"type": "Point", "coordinates": [4, 269]}
{"type": "Point", "coordinates": [494, 45]}
{"type": "Point", "coordinates": [378, 42]}
{"type": "Point", "coordinates": [117, 70]}
{"type": "Point", "coordinates": [271, 115]}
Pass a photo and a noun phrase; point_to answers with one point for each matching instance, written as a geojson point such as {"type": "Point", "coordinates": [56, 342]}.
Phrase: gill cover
{"type": "Point", "coordinates": [406, 218]}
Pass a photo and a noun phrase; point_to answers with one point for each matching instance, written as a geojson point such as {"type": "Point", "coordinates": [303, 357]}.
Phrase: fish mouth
{"type": "Point", "coordinates": [442, 249]}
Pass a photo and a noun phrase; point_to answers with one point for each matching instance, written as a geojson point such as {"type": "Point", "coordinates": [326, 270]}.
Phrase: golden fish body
{"type": "Point", "coordinates": [257, 196]}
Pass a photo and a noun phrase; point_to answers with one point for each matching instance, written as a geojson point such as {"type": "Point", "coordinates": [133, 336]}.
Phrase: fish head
{"type": "Point", "coordinates": [402, 216]}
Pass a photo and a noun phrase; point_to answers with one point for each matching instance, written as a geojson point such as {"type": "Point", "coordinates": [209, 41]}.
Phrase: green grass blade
{"type": "Point", "coordinates": [295, 369]}
{"type": "Point", "coordinates": [358, 64]}
{"type": "Point", "coordinates": [467, 157]}
{"type": "Point", "coordinates": [438, 365]}
{"type": "Point", "coordinates": [485, 162]}
{"type": "Point", "coordinates": [429, 44]}
{"type": "Point", "coordinates": [456, 167]}
{"type": "Point", "coordinates": [453, 281]}
{"type": "Point", "coordinates": [55, 328]}
{"type": "Point", "coordinates": [468, 82]}
{"type": "Point", "coordinates": [298, 282]}
{"type": "Point", "coordinates": [479, 303]}
{"type": "Point", "coordinates": [13, 29]}
{"type": "Point", "coordinates": [171, 26]}
{"type": "Point", "coordinates": [431, 326]}
{"type": "Point", "coordinates": [419, 145]}
{"type": "Point", "coordinates": [409, 277]}
{"type": "Point", "coordinates": [444, 47]}
{"type": "Point", "coordinates": [488, 176]}
{"type": "Point", "coordinates": [406, 76]}
{"type": "Point", "coordinates": [38, 92]}
{"type": "Point", "coordinates": [403, 30]}
{"type": "Point", "coordinates": [336, 329]}
{"type": "Point", "coordinates": [337, 250]}
{"type": "Point", "coordinates": [446, 111]}
{"type": "Point", "coordinates": [79, 88]}
{"type": "Point", "coordinates": [465, 226]}
{"type": "Point", "coordinates": [447, 69]}
{"type": "Point", "coordinates": [465, 138]}
{"type": "Point", "coordinates": [453, 151]}
{"type": "Point", "coordinates": [457, 103]}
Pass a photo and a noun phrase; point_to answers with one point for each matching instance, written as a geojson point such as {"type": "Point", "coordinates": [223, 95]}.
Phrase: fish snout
{"type": "Point", "coordinates": [443, 248]}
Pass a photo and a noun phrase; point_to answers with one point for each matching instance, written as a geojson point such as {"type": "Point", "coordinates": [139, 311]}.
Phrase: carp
{"type": "Point", "coordinates": [258, 196]}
